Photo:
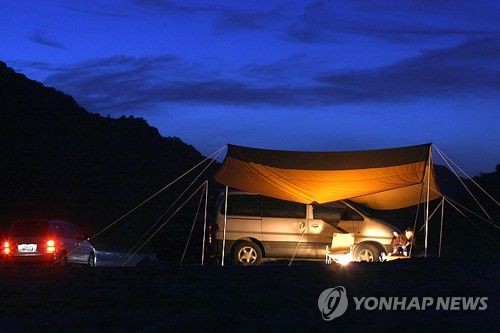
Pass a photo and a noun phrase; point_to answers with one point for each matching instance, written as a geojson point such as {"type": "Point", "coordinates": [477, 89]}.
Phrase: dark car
{"type": "Point", "coordinates": [47, 241]}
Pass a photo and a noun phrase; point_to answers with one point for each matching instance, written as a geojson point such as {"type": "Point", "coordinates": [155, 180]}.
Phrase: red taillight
{"type": "Point", "coordinates": [6, 248]}
{"type": "Point", "coordinates": [51, 246]}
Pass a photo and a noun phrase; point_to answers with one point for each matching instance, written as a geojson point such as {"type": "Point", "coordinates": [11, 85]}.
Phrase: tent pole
{"type": "Point", "coordinates": [416, 217]}
{"type": "Point", "coordinates": [225, 223]}
{"type": "Point", "coordinates": [204, 224]}
{"type": "Point", "coordinates": [441, 231]}
{"type": "Point", "coordinates": [428, 199]}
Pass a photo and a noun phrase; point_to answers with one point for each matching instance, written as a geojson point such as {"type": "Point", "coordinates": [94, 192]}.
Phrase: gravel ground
{"type": "Point", "coordinates": [160, 297]}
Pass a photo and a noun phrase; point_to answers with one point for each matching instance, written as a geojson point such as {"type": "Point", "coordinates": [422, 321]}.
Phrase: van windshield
{"type": "Point", "coordinates": [359, 208]}
{"type": "Point", "coordinates": [29, 228]}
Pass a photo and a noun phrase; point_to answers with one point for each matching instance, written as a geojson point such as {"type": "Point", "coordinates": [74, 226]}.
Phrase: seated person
{"type": "Point", "coordinates": [399, 244]}
{"type": "Point", "coordinates": [411, 241]}
{"type": "Point", "coordinates": [402, 243]}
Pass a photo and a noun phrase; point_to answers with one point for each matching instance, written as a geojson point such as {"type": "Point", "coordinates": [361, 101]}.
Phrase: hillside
{"type": "Point", "coordinates": [59, 160]}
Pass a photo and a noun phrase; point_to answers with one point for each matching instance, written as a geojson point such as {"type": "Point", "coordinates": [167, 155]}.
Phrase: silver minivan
{"type": "Point", "coordinates": [262, 227]}
{"type": "Point", "coordinates": [47, 241]}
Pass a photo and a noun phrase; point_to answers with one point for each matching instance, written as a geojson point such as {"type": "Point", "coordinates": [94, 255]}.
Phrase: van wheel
{"type": "Point", "coordinates": [247, 254]}
{"type": "Point", "coordinates": [367, 252]}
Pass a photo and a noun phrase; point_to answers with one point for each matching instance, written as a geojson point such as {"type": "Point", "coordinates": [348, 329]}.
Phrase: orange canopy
{"type": "Point", "coordinates": [380, 179]}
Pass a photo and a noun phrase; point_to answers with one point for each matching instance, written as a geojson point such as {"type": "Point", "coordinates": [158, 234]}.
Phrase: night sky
{"type": "Point", "coordinates": [295, 75]}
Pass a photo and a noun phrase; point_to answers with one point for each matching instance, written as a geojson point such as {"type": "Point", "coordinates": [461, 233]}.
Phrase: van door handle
{"type": "Point", "coordinates": [315, 225]}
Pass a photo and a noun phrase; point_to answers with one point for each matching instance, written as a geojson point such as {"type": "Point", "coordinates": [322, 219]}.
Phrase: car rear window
{"type": "Point", "coordinates": [29, 228]}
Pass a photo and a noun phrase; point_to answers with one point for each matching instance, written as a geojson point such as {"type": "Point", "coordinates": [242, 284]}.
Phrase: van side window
{"type": "Point", "coordinates": [331, 211]}
{"type": "Point", "coordinates": [243, 205]}
{"type": "Point", "coordinates": [335, 211]}
{"type": "Point", "coordinates": [327, 213]}
{"type": "Point", "coordinates": [279, 208]}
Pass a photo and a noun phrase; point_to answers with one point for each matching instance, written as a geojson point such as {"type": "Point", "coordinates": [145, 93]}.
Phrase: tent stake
{"type": "Point", "coordinates": [224, 232]}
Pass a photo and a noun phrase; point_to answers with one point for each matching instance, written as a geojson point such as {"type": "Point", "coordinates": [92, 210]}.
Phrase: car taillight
{"type": "Point", "coordinates": [6, 248]}
{"type": "Point", "coordinates": [51, 246]}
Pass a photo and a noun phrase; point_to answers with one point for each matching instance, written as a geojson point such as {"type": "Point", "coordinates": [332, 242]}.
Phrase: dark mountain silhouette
{"type": "Point", "coordinates": [473, 235]}
{"type": "Point", "coordinates": [60, 161]}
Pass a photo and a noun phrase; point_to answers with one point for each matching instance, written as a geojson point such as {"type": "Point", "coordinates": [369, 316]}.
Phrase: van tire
{"type": "Point", "coordinates": [366, 252]}
{"type": "Point", "coordinates": [247, 254]}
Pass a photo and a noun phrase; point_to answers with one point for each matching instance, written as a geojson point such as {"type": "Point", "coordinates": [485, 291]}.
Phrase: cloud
{"type": "Point", "coordinates": [313, 26]}
{"type": "Point", "coordinates": [297, 69]}
{"type": "Point", "coordinates": [404, 21]}
{"type": "Point", "coordinates": [124, 85]}
{"type": "Point", "coordinates": [108, 10]}
{"type": "Point", "coordinates": [469, 68]}
{"type": "Point", "coordinates": [40, 37]}
{"type": "Point", "coordinates": [112, 83]}
{"type": "Point", "coordinates": [230, 20]}
{"type": "Point", "coordinates": [228, 16]}
{"type": "Point", "coordinates": [171, 6]}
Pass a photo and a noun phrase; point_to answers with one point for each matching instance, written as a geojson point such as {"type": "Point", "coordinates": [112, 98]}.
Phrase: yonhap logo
{"type": "Point", "coordinates": [333, 303]}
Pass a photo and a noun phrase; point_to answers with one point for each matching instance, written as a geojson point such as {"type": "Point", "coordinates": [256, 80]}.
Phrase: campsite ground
{"type": "Point", "coordinates": [273, 296]}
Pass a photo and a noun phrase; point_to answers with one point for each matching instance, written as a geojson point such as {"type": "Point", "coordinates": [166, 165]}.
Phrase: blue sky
{"type": "Point", "coordinates": [296, 75]}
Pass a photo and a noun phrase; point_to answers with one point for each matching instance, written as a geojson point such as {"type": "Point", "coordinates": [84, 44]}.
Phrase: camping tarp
{"type": "Point", "coordinates": [380, 179]}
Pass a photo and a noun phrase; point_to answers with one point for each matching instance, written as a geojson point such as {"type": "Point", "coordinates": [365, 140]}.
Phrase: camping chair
{"type": "Point", "coordinates": [340, 249]}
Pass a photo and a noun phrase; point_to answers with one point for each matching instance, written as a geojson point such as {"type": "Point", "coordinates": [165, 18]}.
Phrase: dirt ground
{"type": "Point", "coordinates": [161, 297]}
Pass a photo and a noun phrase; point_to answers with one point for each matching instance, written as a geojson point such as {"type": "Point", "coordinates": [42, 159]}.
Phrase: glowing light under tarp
{"type": "Point", "coordinates": [342, 259]}
{"type": "Point", "coordinates": [345, 259]}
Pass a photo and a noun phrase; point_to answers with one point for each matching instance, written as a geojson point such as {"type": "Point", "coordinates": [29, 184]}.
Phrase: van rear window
{"type": "Point", "coordinates": [29, 228]}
